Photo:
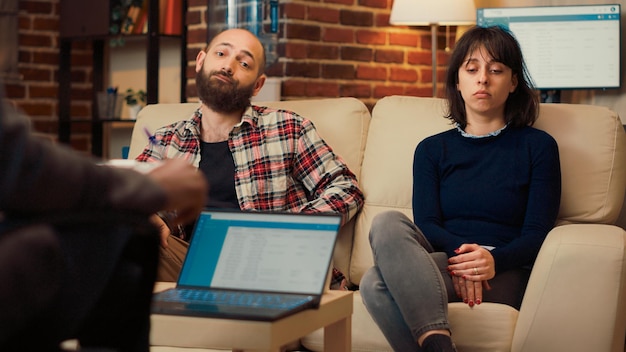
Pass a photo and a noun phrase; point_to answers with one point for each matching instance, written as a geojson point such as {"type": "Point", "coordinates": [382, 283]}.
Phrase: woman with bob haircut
{"type": "Point", "coordinates": [485, 195]}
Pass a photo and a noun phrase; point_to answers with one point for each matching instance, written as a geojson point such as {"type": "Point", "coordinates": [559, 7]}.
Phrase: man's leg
{"type": "Point", "coordinates": [121, 318]}
{"type": "Point", "coordinates": [171, 259]}
{"type": "Point", "coordinates": [30, 267]}
{"type": "Point", "coordinates": [105, 288]}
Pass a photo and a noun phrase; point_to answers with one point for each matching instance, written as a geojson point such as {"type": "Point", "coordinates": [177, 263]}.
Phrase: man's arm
{"type": "Point", "coordinates": [333, 187]}
{"type": "Point", "coordinates": [38, 177]}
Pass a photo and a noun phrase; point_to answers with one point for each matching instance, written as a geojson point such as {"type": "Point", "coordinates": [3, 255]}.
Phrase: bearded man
{"type": "Point", "coordinates": [254, 158]}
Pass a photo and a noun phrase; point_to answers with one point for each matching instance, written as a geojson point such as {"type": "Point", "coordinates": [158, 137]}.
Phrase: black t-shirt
{"type": "Point", "coordinates": [218, 167]}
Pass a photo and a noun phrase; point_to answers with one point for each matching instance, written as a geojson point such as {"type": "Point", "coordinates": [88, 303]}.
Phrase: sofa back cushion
{"type": "Point", "coordinates": [398, 124]}
{"type": "Point", "coordinates": [151, 118]}
{"type": "Point", "coordinates": [342, 122]}
{"type": "Point", "coordinates": [592, 147]}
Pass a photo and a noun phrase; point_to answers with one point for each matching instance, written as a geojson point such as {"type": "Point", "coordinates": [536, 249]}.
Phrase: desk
{"type": "Point", "coordinates": [334, 315]}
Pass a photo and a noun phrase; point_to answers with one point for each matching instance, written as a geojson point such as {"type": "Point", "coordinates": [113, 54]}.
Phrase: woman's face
{"type": "Point", "coordinates": [485, 85]}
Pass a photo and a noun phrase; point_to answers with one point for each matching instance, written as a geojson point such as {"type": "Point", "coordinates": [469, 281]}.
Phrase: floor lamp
{"type": "Point", "coordinates": [433, 14]}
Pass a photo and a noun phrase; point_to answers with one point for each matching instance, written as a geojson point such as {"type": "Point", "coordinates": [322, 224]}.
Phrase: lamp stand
{"type": "Point", "coordinates": [433, 39]}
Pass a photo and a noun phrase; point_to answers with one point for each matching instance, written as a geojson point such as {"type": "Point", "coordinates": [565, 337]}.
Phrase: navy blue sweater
{"type": "Point", "coordinates": [502, 191]}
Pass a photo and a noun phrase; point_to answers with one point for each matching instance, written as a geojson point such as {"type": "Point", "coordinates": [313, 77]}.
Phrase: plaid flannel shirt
{"type": "Point", "coordinates": [281, 163]}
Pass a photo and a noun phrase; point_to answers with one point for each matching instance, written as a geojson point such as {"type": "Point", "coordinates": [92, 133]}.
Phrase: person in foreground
{"type": "Point", "coordinates": [78, 253]}
{"type": "Point", "coordinates": [485, 195]}
{"type": "Point", "coordinates": [254, 158]}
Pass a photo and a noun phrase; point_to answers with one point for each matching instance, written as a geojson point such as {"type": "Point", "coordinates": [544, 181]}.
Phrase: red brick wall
{"type": "Point", "coordinates": [36, 90]}
{"type": "Point", "coordinates": [331, 48]}
{"type": "Point", "coordinates": [327, 48]}
{"type": "Point", "coordinates": [347, 48]}
{"type": "Point", "coordinates": [197, 39]}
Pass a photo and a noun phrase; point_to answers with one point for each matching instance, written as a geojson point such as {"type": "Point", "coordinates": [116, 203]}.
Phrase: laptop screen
{"type": "Point", "coordinates": [260, 251]}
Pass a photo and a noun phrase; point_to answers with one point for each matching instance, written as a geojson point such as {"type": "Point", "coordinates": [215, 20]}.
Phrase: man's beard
{"type": "Point", "coordinates": [220, 96]}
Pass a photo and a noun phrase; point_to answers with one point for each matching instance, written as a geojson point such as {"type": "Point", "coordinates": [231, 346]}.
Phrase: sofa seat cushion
{"type": "Point", "coordinates": [491, 329]}
{"type": "Point", "coordinates": [486, 327]}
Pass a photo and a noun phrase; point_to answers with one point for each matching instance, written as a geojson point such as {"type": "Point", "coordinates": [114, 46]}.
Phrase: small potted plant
{"type": "Point", "coordinates": [135, 100]}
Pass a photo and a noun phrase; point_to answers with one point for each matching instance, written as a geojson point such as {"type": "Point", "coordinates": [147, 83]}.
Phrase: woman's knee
{"type": "Point", "coordinates": [385, 222]}
{"type": "Point", "coordinates": [387, 218]}
{"type": "Point", "coordinates": [387, 226]}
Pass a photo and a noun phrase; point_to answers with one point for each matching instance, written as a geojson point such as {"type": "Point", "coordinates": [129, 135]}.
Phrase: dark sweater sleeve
{"type": "Point", "coordinates": [39, 177]}
{"type": "Point", "coordinates": [544, 197]}
{"type": "Point", "coordinates": [426, 199]}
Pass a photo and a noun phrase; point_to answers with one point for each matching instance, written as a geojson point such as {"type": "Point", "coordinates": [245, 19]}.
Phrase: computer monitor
{"type": "Point", "coordinates": [565, 47]}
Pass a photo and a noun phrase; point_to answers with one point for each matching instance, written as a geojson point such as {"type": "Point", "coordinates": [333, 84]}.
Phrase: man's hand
{"type": "Point", "coordinates": [164, 231]}
{"type": "Point", "coordinates": [185, 187]}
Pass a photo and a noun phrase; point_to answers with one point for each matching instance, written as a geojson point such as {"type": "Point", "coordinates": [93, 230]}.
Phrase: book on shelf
{"type": "Point", "coordinates": [141, 24]}
{"type": "Point", "coordinates": [162, 7]}
{"type": "Point", "coordinates": [173, 17]}
{"type": "Point", "coordinates": [133, 14]}
{"type": "Point", "coordinates": [131, 17]}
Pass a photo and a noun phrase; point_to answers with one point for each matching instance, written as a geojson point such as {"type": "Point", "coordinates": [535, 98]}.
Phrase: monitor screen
{"type": "Point", "coordinates": [565, 47]}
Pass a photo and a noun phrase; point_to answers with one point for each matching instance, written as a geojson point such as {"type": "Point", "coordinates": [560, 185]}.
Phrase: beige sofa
{"type": "Point", "coordinates": [575, 297]}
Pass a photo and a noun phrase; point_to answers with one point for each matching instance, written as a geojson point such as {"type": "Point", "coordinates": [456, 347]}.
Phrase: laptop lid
{"type": "Point", "coordinates": [255, 251]}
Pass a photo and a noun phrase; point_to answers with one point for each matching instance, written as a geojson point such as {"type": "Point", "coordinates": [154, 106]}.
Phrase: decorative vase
{"type": "Point", "coordinates": [134, 111]}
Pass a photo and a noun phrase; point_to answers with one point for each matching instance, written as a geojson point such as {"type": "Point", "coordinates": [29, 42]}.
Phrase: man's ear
{"type": "Point", "coordinates": [200, 60]}
{"type": "Point", "coordinates": [258, 84]}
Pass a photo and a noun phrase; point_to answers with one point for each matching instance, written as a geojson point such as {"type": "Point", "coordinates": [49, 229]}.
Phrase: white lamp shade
{"type": "Point", "coordinates": [427, 12]}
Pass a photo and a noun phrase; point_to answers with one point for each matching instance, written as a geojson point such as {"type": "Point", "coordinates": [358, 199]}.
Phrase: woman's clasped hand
{"type": "Point", "coordinates": [471, 269]}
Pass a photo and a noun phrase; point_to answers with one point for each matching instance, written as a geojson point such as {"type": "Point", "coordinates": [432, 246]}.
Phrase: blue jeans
{"type": "Point", "coordinates": [408, 289]}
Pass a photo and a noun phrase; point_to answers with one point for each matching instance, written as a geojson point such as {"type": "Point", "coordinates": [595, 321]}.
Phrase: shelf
{"type": "Point", "coordinates": [83, 20]}
{"type": "Point", "coordinates": [101, 121]}
{"type": "Point", "coordinates": [116, 137]}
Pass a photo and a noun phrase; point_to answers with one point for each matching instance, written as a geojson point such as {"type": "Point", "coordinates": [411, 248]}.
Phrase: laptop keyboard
{"type": "Point", "coordinates": [242, 299]}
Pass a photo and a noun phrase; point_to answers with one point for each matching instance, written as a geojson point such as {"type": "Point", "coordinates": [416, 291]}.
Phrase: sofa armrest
{"type": "Point", "coordinates": [575, 296]}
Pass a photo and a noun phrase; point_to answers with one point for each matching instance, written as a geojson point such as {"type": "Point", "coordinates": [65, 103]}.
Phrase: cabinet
{"type": "Point", "coordinates": [84, 21]}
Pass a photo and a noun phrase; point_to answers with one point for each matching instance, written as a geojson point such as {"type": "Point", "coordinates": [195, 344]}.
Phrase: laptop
{"type": "Point", "coordinates": [252, 265]}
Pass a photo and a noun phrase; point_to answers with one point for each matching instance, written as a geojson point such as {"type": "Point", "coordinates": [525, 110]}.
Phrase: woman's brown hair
{"type": "Point", "coordinates": [522, 106]}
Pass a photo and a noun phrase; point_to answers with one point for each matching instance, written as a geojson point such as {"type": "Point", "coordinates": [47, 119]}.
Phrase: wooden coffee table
{"type": "Point", "coordinates": [334, 315]}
